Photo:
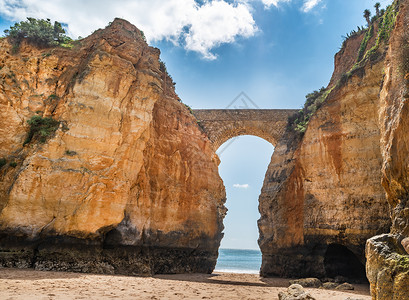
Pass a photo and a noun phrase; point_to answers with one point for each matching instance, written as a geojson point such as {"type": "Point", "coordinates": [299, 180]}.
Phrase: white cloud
{"type": "Point", "coordinates": [196, 27]}
{"type": "Point", "coordinates": [241, 186]}
{"type": "Point", "coordinates": [269, 3]}
{"type": "Point", "coordinates": [218, 22]}
{"type": "Point", "coordinates": [199, 28]}
{"type": "Point", "coordinates": [309, 5]}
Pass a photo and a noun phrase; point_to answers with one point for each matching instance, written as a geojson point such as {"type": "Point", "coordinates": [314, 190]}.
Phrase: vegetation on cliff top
{"type": "Point", "coordinates": [299, 121]}
{"type": "Point", "coordinates": [386, 25]}
{"type": "Point", "coordinates": [41, 129]}
{"type": "Point", "coordinates": [39, 32]}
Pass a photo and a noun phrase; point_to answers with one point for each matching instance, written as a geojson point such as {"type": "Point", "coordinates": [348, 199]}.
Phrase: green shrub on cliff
{"type": "Point", "coordinates": [368, 35]}
{"type": "Point", "coordinates": [41, 129]}
{"type": "Point", "coordinates": [299, 121]}
{"type": "Point", "coordinates": [189, 108]}
{"type": "Point", "coordinates": [39, 32]}
{"type": "Point", "coordinates": [386, 25]}
{"type": "Point", "coordinates": [388, 22]}
{"type": "Point", "coordinates": [143, 35]}
{"type": "Point", "coordinates": [162, 66]}
{"type": "Point", "coordinates": [3, 162]}
{"type": "Point", "coordinates": [402, 260]}
{"type": "Point", "coordinates": [387, 19]}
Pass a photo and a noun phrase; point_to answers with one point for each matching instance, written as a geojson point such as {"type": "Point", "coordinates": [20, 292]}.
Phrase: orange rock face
{"type": "Point", "coordinates": [324, 192]}
{"type": "Point", "coordinates": [387, 255]}
{"type": "Point", "coordinates": [128, 165]}
{"type": "Point", "coordinates": [322, 197]}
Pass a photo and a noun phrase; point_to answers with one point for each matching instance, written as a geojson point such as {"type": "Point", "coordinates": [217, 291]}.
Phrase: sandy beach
{"type": "Point", "coordinates": [30, 284]}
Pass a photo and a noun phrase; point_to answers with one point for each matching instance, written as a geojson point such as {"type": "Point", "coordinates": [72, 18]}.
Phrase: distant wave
{"type": "Point", "coordinates": [239, 261]}
{"type": "Point", "coordinates": [236, 271]}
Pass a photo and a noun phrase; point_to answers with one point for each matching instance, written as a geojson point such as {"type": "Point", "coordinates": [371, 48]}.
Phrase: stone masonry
{"type": "Point", "coordinates": [223, 124]}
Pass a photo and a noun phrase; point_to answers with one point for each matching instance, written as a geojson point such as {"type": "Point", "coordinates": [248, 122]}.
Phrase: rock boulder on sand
{"type": "Point", "coordinates": [307, 282]}
{"type": "Point", "coordinates": [330, 285]}
{"type": "Point", "coordinates": [295, 292]}
{"type": "Point", "coordinates": [345, 287]}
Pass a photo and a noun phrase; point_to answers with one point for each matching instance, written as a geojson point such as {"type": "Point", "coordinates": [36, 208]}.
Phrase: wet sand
{"type": "Point", "coordinates": [30, 284]}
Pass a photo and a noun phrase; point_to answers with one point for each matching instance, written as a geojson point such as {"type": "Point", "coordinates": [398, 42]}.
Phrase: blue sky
{"type": "Point", "coordinates": [276, 51]}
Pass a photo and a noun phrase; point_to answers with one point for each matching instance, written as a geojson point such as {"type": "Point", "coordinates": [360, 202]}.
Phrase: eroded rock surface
{"type": "Point", "coordinates": [387, 268]}
{"type": "Point", "coordinates": [127, 184]}
{"type": "Point", "coordinates": [322, 199]}
{"type": "Point", "coordinates": [387, 261]}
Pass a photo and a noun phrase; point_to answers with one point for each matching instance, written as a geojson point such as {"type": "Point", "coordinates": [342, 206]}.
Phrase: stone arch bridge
{"type": "Point", "coordinates": [223, 124]}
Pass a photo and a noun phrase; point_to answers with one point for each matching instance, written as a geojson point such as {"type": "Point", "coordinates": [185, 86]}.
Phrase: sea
{"type": "Point", "coordinates": [238, 261]}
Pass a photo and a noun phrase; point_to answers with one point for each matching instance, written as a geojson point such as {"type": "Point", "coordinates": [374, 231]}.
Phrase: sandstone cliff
{"type": "Point", "coordinates": [322, 198]}
{"type": "Point", "coordinates": [324, 192]}
{"type": "Point", "coordinates": [128, 183]}
{"type": "Point", "coordinates": [123, 180]}
{"type": "Point", "coordinates": [388, 262]}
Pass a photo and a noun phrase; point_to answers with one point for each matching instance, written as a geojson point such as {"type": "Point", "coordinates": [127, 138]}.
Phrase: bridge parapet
{"type": "Point", "coordinates": [223, 124]}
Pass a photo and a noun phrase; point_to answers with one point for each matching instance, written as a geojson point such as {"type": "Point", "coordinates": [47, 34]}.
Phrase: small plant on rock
{"type": "Point", "coordinates": [41, 129]}
{"type": "Point", "coordinates": [3, 162]}
{"type": "Point", "coordinates": [162, 66]}
{"type": "Point", "coordinates": [143, 35]}
{"type": "Point", "coordinates": [70, 153]}
{"type": "Point", "coordinates": [189, 108]}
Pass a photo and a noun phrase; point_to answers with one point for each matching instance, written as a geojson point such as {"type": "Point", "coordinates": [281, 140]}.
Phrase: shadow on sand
{"type": "Point", "coordinates": [228, 279]}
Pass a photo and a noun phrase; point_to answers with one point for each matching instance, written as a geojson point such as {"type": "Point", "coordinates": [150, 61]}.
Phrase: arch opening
{"type": "Point", "coordinates": [227, 134]}
{"type": "Point", "coordinates": [340, 261]}
{"type": "Point", "coordinates": [244, 162]}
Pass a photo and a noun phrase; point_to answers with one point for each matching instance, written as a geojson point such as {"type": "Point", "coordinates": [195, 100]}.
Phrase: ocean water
{"type": "Point", "coordinates": [238, 261]}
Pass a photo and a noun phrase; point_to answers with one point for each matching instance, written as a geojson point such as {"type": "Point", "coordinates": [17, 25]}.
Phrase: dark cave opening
{"type": "Point", "coordinates": [340, 261]}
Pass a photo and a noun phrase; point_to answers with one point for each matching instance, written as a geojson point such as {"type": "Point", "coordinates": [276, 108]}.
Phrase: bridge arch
{"type": "Point", "coordinates": [221, 125]}
{"type": "Point", "coordinates": [233, 130]}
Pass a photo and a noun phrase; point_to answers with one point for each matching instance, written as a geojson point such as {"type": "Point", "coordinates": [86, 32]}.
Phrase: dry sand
{"type": "Point", "coordinates": [30, 284]}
